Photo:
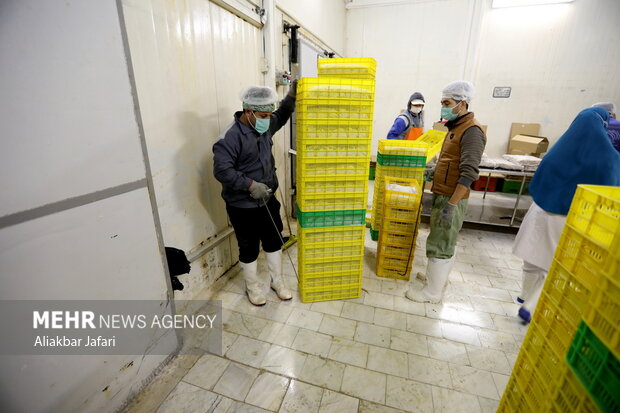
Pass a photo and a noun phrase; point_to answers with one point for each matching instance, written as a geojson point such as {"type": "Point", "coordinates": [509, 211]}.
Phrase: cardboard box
{"type": "Point", "coordinates": [528, 145]}
{"type": "Point", "coordinates": [529, 129]}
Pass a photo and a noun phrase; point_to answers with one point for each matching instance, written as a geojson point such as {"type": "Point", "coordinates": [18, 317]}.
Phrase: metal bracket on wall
{"type": "Point", "coordinates": [206, 246]}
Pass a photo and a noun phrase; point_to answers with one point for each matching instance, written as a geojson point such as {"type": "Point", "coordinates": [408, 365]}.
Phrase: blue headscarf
{"type": "Point", "coordinates": [583, 155]}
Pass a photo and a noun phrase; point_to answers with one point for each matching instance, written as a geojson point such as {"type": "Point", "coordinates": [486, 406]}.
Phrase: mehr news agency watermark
{"type": "Point", "coordinates": [108, 327]}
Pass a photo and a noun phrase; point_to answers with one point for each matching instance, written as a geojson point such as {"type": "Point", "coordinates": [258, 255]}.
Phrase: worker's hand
{"type": "Point", "coordinates": [259, 190]}
{"type": "Point", "coordinates": [429, 174]}
{"type": "Point", "coordinates": [292, 91]}
{"type": "Point", "coordinates": [446, 215]}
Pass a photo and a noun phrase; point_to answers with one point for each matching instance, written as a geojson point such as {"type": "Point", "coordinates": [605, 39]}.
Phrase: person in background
{"type": "Point", "coordinates": [413, 117]}
{"type": "Point", "coordinates": [613, 128]}
{"type": "Point", "coordinates": [245, 166]}
{"type": "Point", "coordinates": [457, 168]}
{"type": "Point", "coordinates": [582, 155]}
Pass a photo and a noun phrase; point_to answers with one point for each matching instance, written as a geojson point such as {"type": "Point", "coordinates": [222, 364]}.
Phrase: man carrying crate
{"type": "Point", "coordinates": [456, 170]}
{"type": "Point", "coordinates": [245, 166]}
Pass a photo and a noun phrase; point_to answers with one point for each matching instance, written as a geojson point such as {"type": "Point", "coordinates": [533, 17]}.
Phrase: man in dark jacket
{"type": "Point", "coordinates": [245, 166]}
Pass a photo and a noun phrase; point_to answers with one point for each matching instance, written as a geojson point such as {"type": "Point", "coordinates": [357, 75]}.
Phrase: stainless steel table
{"type": "Point", "coordinates": [522, 174]}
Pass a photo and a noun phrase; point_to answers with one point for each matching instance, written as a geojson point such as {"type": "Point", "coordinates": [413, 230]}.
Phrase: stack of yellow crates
{"type": "Point", "coordinates": [401, 159]}
{"type": "Point", "coordinates": [334, 131]}
{"type": "Point", "coordinates": [401, 213]}
{"type": "Point", "coordinates": [569, 358]}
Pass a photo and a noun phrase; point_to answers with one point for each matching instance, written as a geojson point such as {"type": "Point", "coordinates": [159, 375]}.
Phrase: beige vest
{"type": "Point", "coordinates": [447, 169]}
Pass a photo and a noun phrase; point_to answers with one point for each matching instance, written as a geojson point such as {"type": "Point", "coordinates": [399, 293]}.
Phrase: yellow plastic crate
{"type": "Point", "coordinates": [433, 139]}
{"type": "Point", "coordinates": [331, 165]}
{"type": "Point", "coordinates": [581, 257]}
{"type": "Point", "coordinates": [396, 250]}
{"type": "Point", "coordinates": [429, 145]}
{"type": "Point", "coordinates": [391, 230]}
{"type": "Point", "coordinates": [570, 396]}
{"type": "Point", "coordinates": [537, 348]}
{"type": "Point", "coordinates": [334, 129]}
{"type": "Point", "coordinates": [532, 385]}
{"type": "Point", "coordinates": [603, 316]}
{"type": "Point", "coordinates": [399, 172]}
{"type": "Point", "coordinates": [333, 250]}
{"type": "Point", "coordinates": [401, 147]}
{"type": "Point", "coordinates": [331, 235]}
{"type": "Point", "coordinates": [402, 200]}
{"type": "Point", "coordinates": [332, 109]}
{"type": "Point", "coordinates": [569, 293]}
{"type": "Point", "coordinates": [330, 280]}
{"type": "Point", "coordinates": [515, 398]}
{"type": "Point", "coordinates": [556, 327]}
{"type": "Point", "coordinates": [332, 201]}
{"type": "Point", "coordinates": [360, 67]}
{"type": "Point", "coordinates": [332, 184]}
{"type": "Point", "coordinates": [398, 214]}
{"type": "Point", "coordinates": [394, 172]}
{"type": "Point", "coordinates": [335, 88]}
{"type": "Point", "coordinates": [310, 295]}
{"type": "Point", "coordinates": [330, 266]}
{"type": "Point", "coordinates": [317, 147]}
{"type": "Point", "coordinates": [595, 213]}
{"type": "Point", "coordinates": [393, 225]}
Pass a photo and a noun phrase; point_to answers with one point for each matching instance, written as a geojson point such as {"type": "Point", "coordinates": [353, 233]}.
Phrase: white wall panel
{"type": "Point", "coordinates": [558, 59]}
{"type": "Point", "coordinates": [66, 112]}
{"type": "Point", "coordinates": [100, 251]}
{"type": "Point", "coordinates": [418, 47]}
{"type": "Point", "coordinates": [69, 128]}
{"type": "Point", "coordinates": [191, 60]}
{"type": "Point", "coordinates": [326, 19]}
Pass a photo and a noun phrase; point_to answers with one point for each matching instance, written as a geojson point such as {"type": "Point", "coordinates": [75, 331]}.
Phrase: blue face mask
{"type": "Point", "coordinates": [261, 125]}
{"type": "Point", "coordinates": [447, 114]}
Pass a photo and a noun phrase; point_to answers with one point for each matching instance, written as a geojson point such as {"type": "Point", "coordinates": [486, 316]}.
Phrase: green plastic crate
{"type": "Point", "coordinates": [401, 160]}
{"type": "Point", "coordinates": [339, 218]}
{"type": "Point", "coordinates": [596, 367]}
{"type": "Point", "coordinates": [510, 186]}
{"type": "Point", "coordinates": [374, 235]}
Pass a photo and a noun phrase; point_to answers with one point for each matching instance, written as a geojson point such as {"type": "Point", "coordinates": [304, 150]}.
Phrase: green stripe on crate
{"type": "Point", "coordinates": [596, 367]}
{"type": "Point", "coordinates": [401, 160]}
{"type": "Point", "coordinates": [315, 219]}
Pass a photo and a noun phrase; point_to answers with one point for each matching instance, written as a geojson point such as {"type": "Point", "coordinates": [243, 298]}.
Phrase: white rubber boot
{"type": "Point", "coordinates": [527, 309]}
{"type": "Point", "coordinates": [253, 285]}
{"type": "Point", "coordinates": [274, 263]}
{"type": "Point", "coordinates": [529, 284]}
{"type": "Point", "coordinates": [422, 275]}
{"type": "Point", "coordinates": [437, 271]}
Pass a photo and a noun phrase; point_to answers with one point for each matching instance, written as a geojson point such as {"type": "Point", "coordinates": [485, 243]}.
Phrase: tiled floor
{"type": "Point", "coordinates": [378, 353]}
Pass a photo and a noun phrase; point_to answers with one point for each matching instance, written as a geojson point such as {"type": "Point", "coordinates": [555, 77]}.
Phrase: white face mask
{"type": "Point", "coordinates": [416, 109]}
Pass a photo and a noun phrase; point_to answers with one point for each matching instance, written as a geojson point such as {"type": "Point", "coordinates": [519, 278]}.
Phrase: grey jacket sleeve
{"type": "Point", "coordinates": [473, 142]}
{"type": "Point", "coordinates": [282, 114]}
{"type": "Point", "coordinates": [225, 154]}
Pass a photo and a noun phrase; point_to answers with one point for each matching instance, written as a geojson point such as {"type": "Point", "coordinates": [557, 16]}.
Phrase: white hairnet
{"type": "Point", "coordinates": [608, 106]}
{"type": "Point", "coordinates": [258, 96]}
{"type": "Point", "coordinates": [459, 90]}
